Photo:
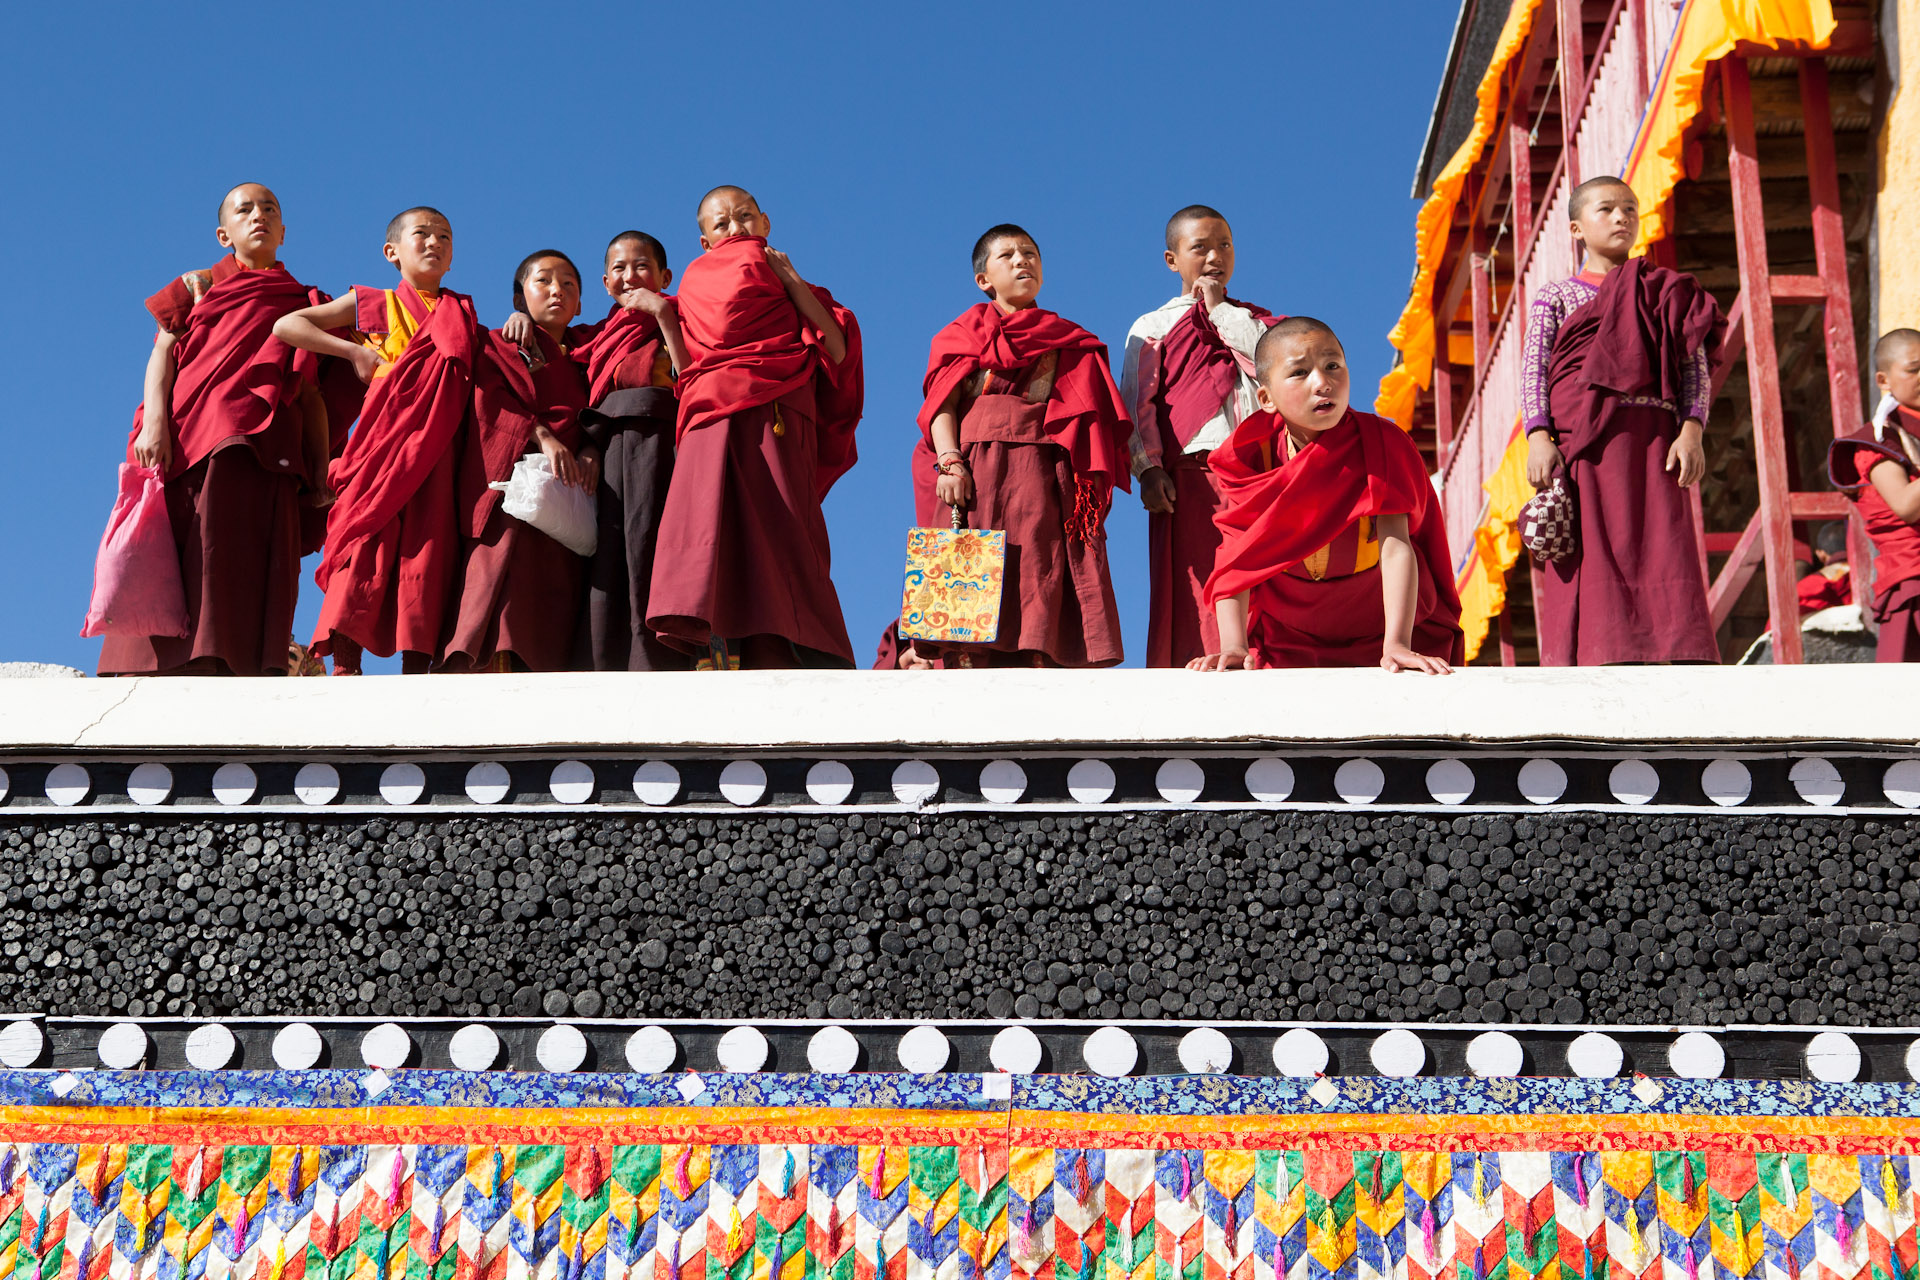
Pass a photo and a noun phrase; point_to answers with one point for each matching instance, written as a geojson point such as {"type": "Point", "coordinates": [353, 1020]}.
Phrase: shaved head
{"type": "Point", "coordinates": [398, 226]}
{"type": "Point", "coordinates": [1893, 344]}
{"type": "Point", "coordinates": [1577, 203]}
{"type": "Point", "coordinates": [227, 199]}
{"type": "Point", "coordinates": [1268, 348]}
{"type": "Point", "coordinates": [653, 246]}
{"type": "Point", "coordinates": [1192, 213]}
{"type": "Point", "coordinates": [725, 189]}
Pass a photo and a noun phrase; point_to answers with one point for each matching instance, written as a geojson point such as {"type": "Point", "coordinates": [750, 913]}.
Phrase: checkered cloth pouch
{"type": "Point", "coordinates": [1547, 528]}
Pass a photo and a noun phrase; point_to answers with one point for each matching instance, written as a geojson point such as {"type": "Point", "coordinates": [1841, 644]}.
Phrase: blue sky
{"type": "Point", "coordinates": [880, 138]}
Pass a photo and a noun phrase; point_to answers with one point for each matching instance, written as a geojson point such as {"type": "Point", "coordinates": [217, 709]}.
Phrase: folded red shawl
{"type": "Point", "coordinates": [1276, 515]}
{"type": "Point", "coordinates": [747, 346]}
{"type": "Point", "coordinates": [412, 416]}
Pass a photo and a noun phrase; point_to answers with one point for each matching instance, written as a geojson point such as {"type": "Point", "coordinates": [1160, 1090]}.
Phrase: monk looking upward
{"type": "Point", "coordinates": [1614, 386]}
{"type": "Point", "coordinates": [1029, 437]}
{"type": "Point", "coordinates": [393, 546]}
{"type": "Point", "coordinates": [1188, 381]}
{"type": "Point", "coordinates": [768, 406]}
{"type": "Point", "coordinates": [1333, 551]}
{"type": "Point", "coordinates": [235, 425]}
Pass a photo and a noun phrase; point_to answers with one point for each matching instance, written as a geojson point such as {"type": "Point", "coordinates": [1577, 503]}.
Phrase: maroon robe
{"type": "Point", "coordinates": [1896, 564]}
{"type": "Point", "coordinates": [393, 534]}
{"type": "Point", "coordinates": [1198, 372]}
{"type": "Point", "coordinates": [632, 423]}
{"type": "Point", "coordinates": [237, 471]}
{"type": "Point", "coordinates": [742, 561]}
{"type": "Point", "coordinates": [1300, 536]}
{"type": "Point", "coordinates": [1045, 439]}
{"type": "Point", "coordinates": [1633, 590]}
{"type": "Point", "coordinates": [519, 594]}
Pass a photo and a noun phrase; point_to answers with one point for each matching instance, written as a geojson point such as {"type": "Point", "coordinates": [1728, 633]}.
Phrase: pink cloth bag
{"type": "Point", "coordinates": [136, 576]}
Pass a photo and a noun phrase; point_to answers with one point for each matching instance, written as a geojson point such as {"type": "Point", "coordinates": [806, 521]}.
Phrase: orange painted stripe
{"type": "Point", "coordinates": [498, 1125]}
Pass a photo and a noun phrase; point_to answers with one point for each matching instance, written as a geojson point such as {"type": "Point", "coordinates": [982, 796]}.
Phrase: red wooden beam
{"type": "Point", "coordinates": [1733, 345]}
{"type": "Point", "coordinates": [1637, 15]}
{"type": "Point", "coordinates": [1830, 257]}
{"type": "Point", "coordinates": [1569, 23]}
{"type": "Point", "coordinates": [1742, 560]}
{"type": "Point", "coordinates": [1442, 398]}
{"type": "Point", "coordinates": [1775, 517]}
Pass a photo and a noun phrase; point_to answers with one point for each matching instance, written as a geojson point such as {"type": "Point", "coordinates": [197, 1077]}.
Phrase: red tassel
{"type": "Point", "coordinates": [833, 1231]}
{"type": "Point", "coordinates": [1686, 1177]}
{"type": "Point", "coordinates": [1793, 1264]}
{"type": "Point", "coordinates": [1233, 1223]}
{"type": "Point", "coordinates": [1081, 1176]}
{"type": "Point", "coordinates": [1529, 1227]}
{"type": "Point", "coordinates": [1378, 1161]}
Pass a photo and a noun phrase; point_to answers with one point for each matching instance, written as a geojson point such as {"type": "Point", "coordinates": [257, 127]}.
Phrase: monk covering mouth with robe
{"type": "Point", "coordinates": [234, 423]}
{"type": "Point", "coordinates": [1188, 381]}
{"type": "Point", "coordinates": [1615, 387]}
{"type": "Point", "coordinates": [520, 589]}
{"type": "Point", "coordinates": [1029, 437]}
{"type": "Point", "coordinates": [1333, 551]}
{"type": "Point", "coordinates": [1879, 468]}
{"type": "Point", "coordinates": [393, 545]}
{"type": "Point", "coordinates": [768, 406]}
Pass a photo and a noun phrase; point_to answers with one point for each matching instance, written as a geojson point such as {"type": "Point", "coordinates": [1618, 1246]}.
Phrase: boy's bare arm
{"type": "Point", "coordinates": [1891, 483]}
{"type": "Point", "coordinates": [153, 447]}
{"type": "Point", "coordinates": [831, 338]}
{"type": "Point", "coordinates": [955, 486]}
{"type": "Point", "coordinates": [670, 336]}
{"type": "Point", "coordinates": [1400, 590]}
{"type": "Point", "coordinates": [307, 329]}
{"type": "Point", "coordinates": [1230, 614]}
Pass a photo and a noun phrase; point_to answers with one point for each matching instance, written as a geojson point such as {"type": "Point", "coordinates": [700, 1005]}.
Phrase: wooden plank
{"type": "Point", "coordinates": [1774, 519]}
{"type": "Point", "coordinates": [1823, 504]}
{"type": "Point", "coordinates": [1569, 24]}
{"type": "Point", "coordinates": [1799, 289]}
{"type": "Point", "coordinates": [1742, 559]}
{"type": "Point", "coordinates": [1733, 345]}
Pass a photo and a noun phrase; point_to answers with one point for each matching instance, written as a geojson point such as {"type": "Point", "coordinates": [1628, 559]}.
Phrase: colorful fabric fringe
{"type": "Point", "coordinates": [902, 1178]}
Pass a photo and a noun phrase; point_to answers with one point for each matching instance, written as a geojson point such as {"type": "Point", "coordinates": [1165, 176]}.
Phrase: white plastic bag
{"type": "Point", "coordinates": [562, 512]}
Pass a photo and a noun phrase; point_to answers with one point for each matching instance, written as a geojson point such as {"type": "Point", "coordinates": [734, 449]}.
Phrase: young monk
{"type": "Point", "coordinates": [630, 358]}
{"type": "Point", "coordinates": [1879, 468]}
{"type": "Point", "coordinates": [1615, 386]}
{"type": "Point", "coordinates": [393, 545]}
{"type": "Point", "coordinates": [1831, 582]}
{"type": "Point", "coordinates": [1029, 436]}
{"type": "Point", "coordinates": [235, 424]}
{"type": "Point", "coordinates": [1333, 550]}
{"type": "Point", "coordinates": [520, 590]}
{"type": "Point", "coordinates": [1189, 382]}
{"type": "Point", "coordinates": [768, 404]}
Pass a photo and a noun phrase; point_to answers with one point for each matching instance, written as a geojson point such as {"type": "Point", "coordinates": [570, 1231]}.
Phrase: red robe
{"type": "Point", "coordinates": [1292, 535]}
{"type": "Point", "coordinates": [1198, 371]}
{"type": "Point", "coordinates": [1896, 564]}
{"type": "Point", "coordinates": [766, 426]}
{"type": "Point", "coordinates": [1633, 590]}
{"type": "Point", "coordinates": [632, 424]}
{"type": "Point", "coordinates": [238, 467]}
{"type": "Point", "coordinates": [520, 590]}
{"type": "Point", "coordinates": [1045, 437]}
{"type": "Point", "coordinates": [393, 544]}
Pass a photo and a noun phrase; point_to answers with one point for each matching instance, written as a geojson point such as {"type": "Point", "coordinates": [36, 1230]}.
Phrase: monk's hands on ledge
{"type": "Point", "coordinates": [911, 659]}
{"type": "Point", "coordinates": [1543, 459]}
{"type": "Point", "coordinates": [1395, 656]}
{"type": "Point", "coordinates": [1687, 455]}
{"type": "Point", "coordinates": [1156, 491]}
{"type": "Point", "coordinates": [1210, 292]}
{"type": "Point", "coordinates": [153, 447]}
{"type": "Point", "coordinates": [1231, 660]}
